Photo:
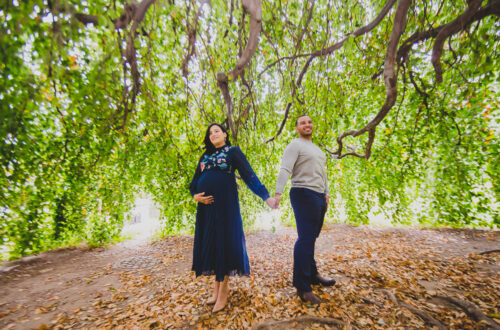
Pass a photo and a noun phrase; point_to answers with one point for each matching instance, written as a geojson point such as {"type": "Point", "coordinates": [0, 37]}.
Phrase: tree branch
{"type": "Point", "coordinates": [254, 9]}
{"type": "Point", "coordinates": [355, 34]}
{"type": "Point", "coordinates": [390, 81]}
{"type": "Point", "coordinates": [87, 19]}
{"type": "Point", "coordinates": [396, 117]}
{"type": "Point", "coordinates": [371, 138]}
{"type": "Point", "coordinates": [283, 122]}
{"type": "Point", "coordinates": [283, 59]}
{"type": "Point", "coordinates": [492, 8]}
{"type": "Point", "coordinates": [191, 31]}
{"type": "Point", "coordinates": [133, 13]}
{"type": "Point", "coordinates": [449, 29]}
{"type": "Point", "coordinates": [222, 83]}
{"type": "Point", "coordinates": [306, 26]}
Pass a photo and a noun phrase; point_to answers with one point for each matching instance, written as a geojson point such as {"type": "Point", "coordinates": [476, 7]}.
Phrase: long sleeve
{"type": "Point", "coordinates": [196, 176]}
{"type": "Point", "coordinates": [246, 172]}
{"type": "Point", "coordinates": [327, 192]}
{"type": "Point", "coordinates": [289, 158]}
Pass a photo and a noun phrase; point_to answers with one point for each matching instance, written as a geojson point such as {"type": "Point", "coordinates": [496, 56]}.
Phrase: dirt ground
{"type": "Point", "coordinates": [102, 288]}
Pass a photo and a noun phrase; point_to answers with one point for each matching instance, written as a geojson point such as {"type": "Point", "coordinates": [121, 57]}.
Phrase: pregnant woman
{"type": "Point", "coordinates": [219, 242]}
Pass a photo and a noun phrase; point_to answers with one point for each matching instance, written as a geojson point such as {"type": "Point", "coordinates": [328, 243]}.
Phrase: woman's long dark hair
{"type": "Point", "coordinates": [209, 147]}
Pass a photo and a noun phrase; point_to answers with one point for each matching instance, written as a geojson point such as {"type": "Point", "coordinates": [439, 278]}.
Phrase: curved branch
{"type": "Point", "coordinates": [459, 142]}
{"type": "Point", "coordinates": [191, 31]}
{"type": "Point", "coordinates": [304, 30]}
{"type": "Point", "coordinates": [129, 54]}
{"type": "Point", "coordinates": [223, 84]}
{"type": "Point", "coordinates": [137, 18]}
{"type": "Point", "coordinates": [133, 13]}
{"type": "Point", "coordinates": [492, 8]}
{"type": "Point", "coordinates": [368, 148]}
{"type": "Point", "coordinates": [390, 81]}
{"type": "Point", "coordinates": [449, 29]}
{"type": "Point", "coordinates": [252, 100]}
{"type": "Point", "coordinates": [230, 16]}
{"type": "Point", "coordinates": [141, 10]}
{"type": "Point", "coordinates": [254, 9]}
{"type": "Point", "coordinates": [397, 114]}
{"type": "Point", "coordinates": [87, 19]}
{"type": "Point", "coordinates": [283, 59]}
{"type": "Point", "coordinates": [420, 91]}
{"type": "Point", "coordinates": [355, 34]}
{"type": "Point", "coordinates": [283, 122]}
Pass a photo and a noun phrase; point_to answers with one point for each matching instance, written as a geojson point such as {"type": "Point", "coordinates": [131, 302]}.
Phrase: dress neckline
{"type": "Point", "coordinates": [221, 148]}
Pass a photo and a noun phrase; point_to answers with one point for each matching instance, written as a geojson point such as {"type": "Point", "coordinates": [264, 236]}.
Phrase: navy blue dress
{"type": "Point", "coordinates": [219, 243]}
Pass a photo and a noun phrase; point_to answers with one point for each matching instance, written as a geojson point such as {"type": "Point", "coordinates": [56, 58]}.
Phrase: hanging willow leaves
{"type": "Point", "coordinates": [101, 100]}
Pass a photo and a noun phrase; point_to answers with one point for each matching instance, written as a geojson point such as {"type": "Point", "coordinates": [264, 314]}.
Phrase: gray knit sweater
{"type": "Point", "coordinates": [306, 163]}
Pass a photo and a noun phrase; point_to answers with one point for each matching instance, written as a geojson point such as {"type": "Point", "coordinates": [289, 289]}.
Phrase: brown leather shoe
{"type": "Point", "coordinates": [325, 281]}
{"type": "Point", "coordinates": [308, 297]}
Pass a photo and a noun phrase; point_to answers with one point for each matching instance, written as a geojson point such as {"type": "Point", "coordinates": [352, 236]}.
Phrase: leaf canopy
{"type": "Point", "coordinates": [100, 101]}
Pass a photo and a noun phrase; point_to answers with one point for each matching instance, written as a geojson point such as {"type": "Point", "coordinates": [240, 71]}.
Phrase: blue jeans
{"type": "Point", "coordinates": [309, 208]}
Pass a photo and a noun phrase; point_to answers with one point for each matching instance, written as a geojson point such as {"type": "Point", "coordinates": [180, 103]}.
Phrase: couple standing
{"type": "Point", "coordinates": [219, 242]}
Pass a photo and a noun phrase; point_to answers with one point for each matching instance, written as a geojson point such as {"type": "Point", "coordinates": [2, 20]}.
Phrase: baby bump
{"type": "Point", "coordinates": [214, 182]}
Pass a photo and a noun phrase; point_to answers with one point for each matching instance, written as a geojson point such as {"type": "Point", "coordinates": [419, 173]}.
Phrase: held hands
{"type": "Point", "coordinates": [201, 198]}
{"type": "Point", "coordinates": [274, 202]}
{"type": "Point", "coordinates": [271, 202]}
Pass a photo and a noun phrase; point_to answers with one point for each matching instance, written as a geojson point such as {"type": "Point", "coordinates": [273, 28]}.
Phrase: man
{"type": "Point", "coordinates": [309, 198]}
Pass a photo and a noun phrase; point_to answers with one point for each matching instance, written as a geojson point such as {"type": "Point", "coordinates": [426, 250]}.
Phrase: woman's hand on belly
{"type": "Point", "coordinates": [201, 198]}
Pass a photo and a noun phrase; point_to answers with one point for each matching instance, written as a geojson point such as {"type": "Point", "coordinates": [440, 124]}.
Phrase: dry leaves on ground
{"type": "Point", "coordinates": [386, 279]}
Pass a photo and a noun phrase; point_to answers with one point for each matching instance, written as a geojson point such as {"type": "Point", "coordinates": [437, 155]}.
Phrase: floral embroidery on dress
{"type": "Point", "coordinates": [216, 160]}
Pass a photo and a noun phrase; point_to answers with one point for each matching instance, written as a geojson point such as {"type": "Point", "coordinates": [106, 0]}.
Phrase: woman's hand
{"type": "Point", "coordinates": [201, 198]}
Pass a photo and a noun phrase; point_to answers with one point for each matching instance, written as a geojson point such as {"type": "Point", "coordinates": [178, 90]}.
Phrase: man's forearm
{"type": "Point", "coordinates": [281, 181]}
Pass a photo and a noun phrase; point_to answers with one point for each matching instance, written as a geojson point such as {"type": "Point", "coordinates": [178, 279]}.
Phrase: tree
{"type": "Point", "coordinates": [101, 100]}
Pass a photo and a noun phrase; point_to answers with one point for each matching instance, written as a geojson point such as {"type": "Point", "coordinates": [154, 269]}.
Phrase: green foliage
{"type": "Point", "coordinates": [75, 149]}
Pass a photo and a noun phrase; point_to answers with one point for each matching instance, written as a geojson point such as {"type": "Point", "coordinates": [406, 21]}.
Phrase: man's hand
{"type": "Point", "coordinates": [327, 200]}
{"type": "Point", "coordinates": [271, 202]}
{"type": "Point", "coordinates": [277, 198]}
{"type": "Point", "coordinates": [201, 198]}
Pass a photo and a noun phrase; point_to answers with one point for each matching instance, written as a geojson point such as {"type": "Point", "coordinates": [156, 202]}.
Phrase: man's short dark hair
{"type": "Point", "coordinates": [297, 120]}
